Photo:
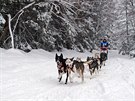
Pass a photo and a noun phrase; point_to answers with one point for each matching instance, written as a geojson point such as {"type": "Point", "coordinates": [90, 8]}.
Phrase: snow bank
{"type": "Point", "coordinates": [33, 77]}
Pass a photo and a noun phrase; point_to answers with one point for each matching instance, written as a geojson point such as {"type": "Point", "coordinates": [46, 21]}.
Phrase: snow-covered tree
{"type": "Point", "coordinates": [123, 28]}
{"type": "Point", "coordinates": [71, 24]}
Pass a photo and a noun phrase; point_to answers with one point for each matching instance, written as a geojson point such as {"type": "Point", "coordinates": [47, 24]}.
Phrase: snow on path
{"type": "Point", "coordinates": [33, 77]}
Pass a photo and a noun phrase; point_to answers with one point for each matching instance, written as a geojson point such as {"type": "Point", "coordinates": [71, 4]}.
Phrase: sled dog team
{"type": "Point", "coordinates": [71, 65]}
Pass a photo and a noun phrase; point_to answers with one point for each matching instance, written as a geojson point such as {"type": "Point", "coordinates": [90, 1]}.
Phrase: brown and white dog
{"type": "Point", "coordinates": [77, 66]}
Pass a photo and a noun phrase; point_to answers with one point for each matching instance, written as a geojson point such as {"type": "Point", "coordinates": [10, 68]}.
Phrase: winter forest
{"type": "Point", "coordinates": [52, 50]}
{"type": "Point", "coordinates": [72, 24]}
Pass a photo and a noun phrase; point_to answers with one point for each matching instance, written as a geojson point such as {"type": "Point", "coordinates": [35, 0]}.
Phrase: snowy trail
{"type": "Point", "coordinates": [33, 77]}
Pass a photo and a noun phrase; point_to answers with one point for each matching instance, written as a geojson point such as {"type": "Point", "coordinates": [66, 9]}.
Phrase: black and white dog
{"type": "Point", "coordinates": [62, 67]}
{"type": "Point", "coordinates": [93, 65]}
{"type": "Point", "coordinates": [69, 66]}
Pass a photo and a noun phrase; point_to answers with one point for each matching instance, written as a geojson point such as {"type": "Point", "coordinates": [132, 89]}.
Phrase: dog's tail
{"type": "Point", "coordinates": [88, 62]}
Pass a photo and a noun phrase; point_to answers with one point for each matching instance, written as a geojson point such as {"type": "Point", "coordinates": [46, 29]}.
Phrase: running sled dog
{"type": "Point", "coordinates": [63, 68]}
{"type": "Point", "coordinates": [77, 66]}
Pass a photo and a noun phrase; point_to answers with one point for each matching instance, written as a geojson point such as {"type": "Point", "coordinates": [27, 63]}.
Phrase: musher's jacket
{"type": "Point", "coordinates": [104, 45]}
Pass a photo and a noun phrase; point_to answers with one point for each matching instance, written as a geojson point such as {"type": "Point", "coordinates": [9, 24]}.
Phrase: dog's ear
{"type": "Point", "coordinates": [56, 57]}
{"type": "Point", "coordinates": [61, 55]}
{"type": "Point", "coordinates": [88, 58]}
{"type": "Point", "coordinates": [72, 59]}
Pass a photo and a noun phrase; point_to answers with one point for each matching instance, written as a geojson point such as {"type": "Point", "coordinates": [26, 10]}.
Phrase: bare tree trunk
{"type": "Point", "coordinates": [127, 22]}
{"type": "Point", "coordinates": [10, 31]}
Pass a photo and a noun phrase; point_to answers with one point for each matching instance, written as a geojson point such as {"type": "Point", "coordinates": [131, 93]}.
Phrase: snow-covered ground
{"type": "Point", "coordinates": [33, 77]}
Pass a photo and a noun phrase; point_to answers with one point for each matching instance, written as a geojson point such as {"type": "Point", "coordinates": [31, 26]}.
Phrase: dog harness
{"type": "Point", "coordinates": [59, 66]}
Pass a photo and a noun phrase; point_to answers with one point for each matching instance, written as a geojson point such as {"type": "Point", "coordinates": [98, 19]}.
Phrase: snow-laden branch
{"type": "Point", "coordinates": [17, 21]}
{"type": "Point", "coordinates": [49, 13]}
{"type": "Point", "coordinates": [65, 20]}
{"type": "Point", "coordinates": [18, 16]}
{"type": "Point", "coordinates": [23, 9]}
